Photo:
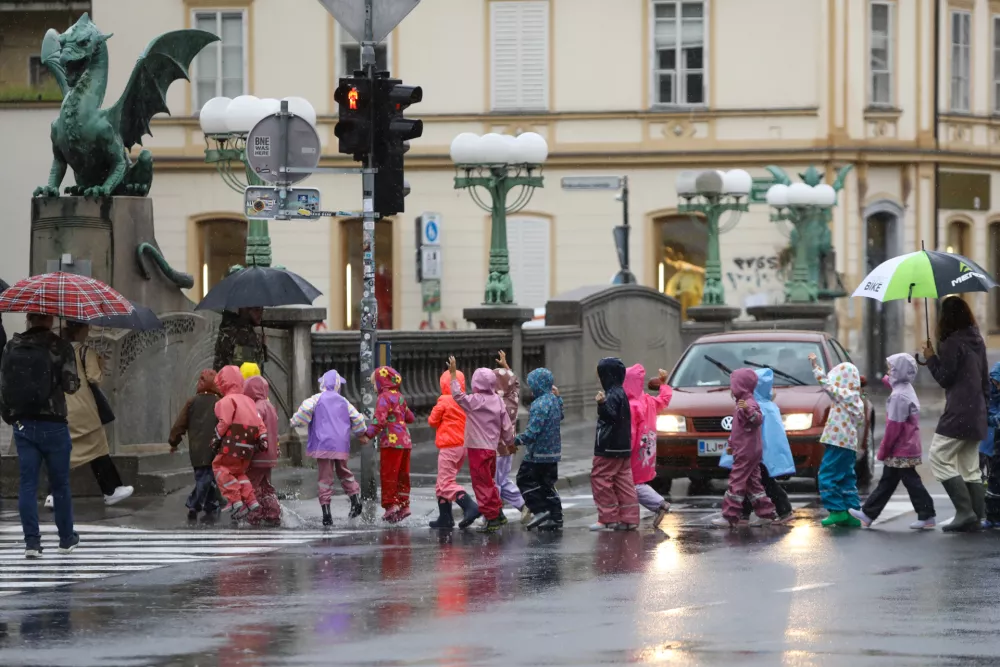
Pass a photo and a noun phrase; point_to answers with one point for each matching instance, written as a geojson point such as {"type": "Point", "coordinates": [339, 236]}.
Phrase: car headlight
{"type": "Point", "coordinates": [671, 424]}
{"type": "Point", "coordinates": [797, 421]}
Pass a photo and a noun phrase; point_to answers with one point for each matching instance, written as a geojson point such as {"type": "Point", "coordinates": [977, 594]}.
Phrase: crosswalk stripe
{"type": "Point", "coordinates": [108, 551]}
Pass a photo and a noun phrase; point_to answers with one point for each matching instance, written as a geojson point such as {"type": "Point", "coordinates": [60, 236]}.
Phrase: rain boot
{"type": "Point", "coordinates": [977, 492]}
{"type": "Point", "coordinates": [965, 518]}
{"type": "Point", "coordinates": [469, 508]}
{"type": "Point", "coordinates": [446, 520]}
{"type": "Point", "coordinates": [327, 517]}
{"type": "Point", "coordinates": [356, 507]}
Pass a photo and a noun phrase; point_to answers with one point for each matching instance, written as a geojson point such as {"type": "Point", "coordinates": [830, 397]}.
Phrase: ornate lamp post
{"type": "Point", "coordinates": [498, 164]}
{"type": "Point", "coordinates": [226, 123]}
{"type": "Point", "coordinates": [806, 207]}
{"type": "Point", "coordinates": [712, 193]}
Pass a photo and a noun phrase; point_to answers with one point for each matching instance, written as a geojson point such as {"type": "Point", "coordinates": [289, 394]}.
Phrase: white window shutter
{"type": "Point", "coordinates": [529, 244]}
{"type": "Point", "coordinates": [519, 55]}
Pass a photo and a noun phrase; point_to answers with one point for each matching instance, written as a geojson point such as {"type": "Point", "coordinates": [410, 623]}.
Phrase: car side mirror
{"type": "Point", "coordinates": [864, 381]}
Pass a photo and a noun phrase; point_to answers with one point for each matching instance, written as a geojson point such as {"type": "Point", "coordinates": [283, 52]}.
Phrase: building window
{"type": "Point", "coordinates": [353, 272]}
{"type": "Point", "coordinates": [680, 259]}
{"type": "Point", "coordinates": [881, 54]}
{"type": "Point", "coordinates": [350, 53]}
{"type": "Point", "coordinates": [529, 242]}
{"type": "Point", "coordinates": [222, 244]}
{"type": "Point", "coordinates": [961, 42]}
{"type": "Point", "coordinates": [996, 64]}
{"type": "Point", "coordinates": [38, 74]}
{"type": "Point", "coordinates": [679, 52]}
{"type": "Point", "coordinates": [519, 55]}
{"type": "Point", "coordinates": [220, 68]}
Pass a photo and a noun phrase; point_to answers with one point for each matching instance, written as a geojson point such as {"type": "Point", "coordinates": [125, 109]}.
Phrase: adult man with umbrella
{"type": "Point", "coordinates": [241, 339]}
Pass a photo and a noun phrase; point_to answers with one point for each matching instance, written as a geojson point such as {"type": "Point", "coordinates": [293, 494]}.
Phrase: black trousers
{"type": "Point", "coordinates": [774, 491]}
{"type": "Point", "coordinates": [537, 484]}
{"type": "Point", "coordinates": [106, 474]}
{"type": "Point", "coordinates": [891, 477]}
{"type": "Point", "coordinates": [993, 486]}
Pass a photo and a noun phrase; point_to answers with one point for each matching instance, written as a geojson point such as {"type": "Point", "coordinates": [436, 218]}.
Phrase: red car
{"type": "Point", "coordinates": [692, 432]}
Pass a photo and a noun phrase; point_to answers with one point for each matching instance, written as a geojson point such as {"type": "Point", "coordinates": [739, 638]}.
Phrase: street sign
{"type": "Point", "coordinates": [264, 143]}
{"type": "Point", "coordinates": [430, 229]}
{"type": "Point", "coordinates": [430, 263]}
{"type": "Point", "coordinates": [386, 15]}
{"type": "Point", "coordinates": [592, 183]}
{"type": "Point", "coordinates": [265, 203]}
{"type": "Point", "coordinates": [431, 292]}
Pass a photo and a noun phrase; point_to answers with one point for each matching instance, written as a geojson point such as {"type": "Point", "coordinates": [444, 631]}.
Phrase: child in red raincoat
{"type": "Point", "coordinates": [257, 389]}
{"type": "Point", "coordinates": [390, 420]}
{"type": "Point", "coordinates": [240, 432]}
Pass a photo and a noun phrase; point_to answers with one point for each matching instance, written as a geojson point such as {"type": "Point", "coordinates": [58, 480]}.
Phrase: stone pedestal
{"type": "Point", "coordinates": [504, 317]}
{"type": "Point", "coordinates": [704, 320]}
{"type": "Point", "coordinates": [818, 316]}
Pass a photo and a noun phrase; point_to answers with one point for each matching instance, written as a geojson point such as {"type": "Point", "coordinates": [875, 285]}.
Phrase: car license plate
{"type": "Point", "coordinates": [712, 447]}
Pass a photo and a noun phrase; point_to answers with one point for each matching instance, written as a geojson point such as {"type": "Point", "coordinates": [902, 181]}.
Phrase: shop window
{"type": "Point", "coordinates": [222, 243]}
{"type": "Point", "coordinates": [353, 272]}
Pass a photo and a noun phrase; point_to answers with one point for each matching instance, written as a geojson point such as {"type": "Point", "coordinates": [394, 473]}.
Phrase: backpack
{"type": "Point", "coordinates": [27, 379]}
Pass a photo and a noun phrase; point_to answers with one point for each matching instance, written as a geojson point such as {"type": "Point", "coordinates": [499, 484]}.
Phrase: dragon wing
{"type": "Point", "coordinates": [51, 48]}
{"type": "Point", "coordinates": [165, 60]}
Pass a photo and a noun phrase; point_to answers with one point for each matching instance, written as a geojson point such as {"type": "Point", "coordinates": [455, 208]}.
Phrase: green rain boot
{"type": "Point", "coordinates": [849, 521]}
{"type": "Point", "coordinates": [977, 493]}
{"type": "Point", "coordinates": [836, 519]}
{"type": "Point", "coordinates": [965, 517]}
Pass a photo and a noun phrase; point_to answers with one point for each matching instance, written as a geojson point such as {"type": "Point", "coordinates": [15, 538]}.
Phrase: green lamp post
{"type": "Point", "coordinates": [713, 193]}
{"type": "Point", "coordinates": [807, 206]}
{"type": "Point", "coordinates": [499, 164]}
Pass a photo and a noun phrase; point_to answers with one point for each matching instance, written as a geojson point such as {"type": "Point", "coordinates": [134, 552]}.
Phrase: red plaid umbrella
{"type": "Point", "coordinates": [64, 295]}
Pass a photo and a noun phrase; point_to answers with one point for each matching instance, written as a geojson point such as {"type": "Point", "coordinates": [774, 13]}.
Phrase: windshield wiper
{"type": "Point", "coordinates": [718, 364]}
{"type": "Point", "coordinates": [776, 372]}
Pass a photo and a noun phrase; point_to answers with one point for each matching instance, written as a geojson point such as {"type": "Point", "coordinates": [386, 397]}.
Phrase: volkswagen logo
{"type": "Point", "coordinates": [727, 423]}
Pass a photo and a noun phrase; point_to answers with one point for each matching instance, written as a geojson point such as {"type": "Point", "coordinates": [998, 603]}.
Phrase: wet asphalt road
{"type": "Point", "coordinates": [147, 589]}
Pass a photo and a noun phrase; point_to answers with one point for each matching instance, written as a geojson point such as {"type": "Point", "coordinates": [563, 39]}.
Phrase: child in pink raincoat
{"type": "Point", "coordinates": [240, 432]}
{"type": "Point", "coordinates": [487, 425]}
{"type": "Point", "coordinates": [509, 389]}
{"type": "Point", "coordinates": [644, 409]}
{"type": "Point", "coordinates": [257, 389]}
{"type": "Point", "coordinates": [748, 451]}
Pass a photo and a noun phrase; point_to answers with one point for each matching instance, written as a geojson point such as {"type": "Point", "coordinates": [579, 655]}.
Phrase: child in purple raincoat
{"type": "Point", "coordinates": [332, 420]}
{"type": "Point", "coordinates": [509, 389]}
{"type": "Point", "coordinates": [748, 451]}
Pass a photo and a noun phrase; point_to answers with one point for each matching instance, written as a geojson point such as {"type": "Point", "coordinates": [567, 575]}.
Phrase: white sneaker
{"type": "Point", "coordinates": [867, 521]}
{"type": "Point", "coordinates": [929, 524]}
{"type": "Point", "coordinates": [721, 522]}
{"type": "Point", "coordinates": [49, 502]}
{"type": "Point", "coordinates": [526, 515]}
{"type": "Point", "coordinates": [603, 527]}
{"type": "Point", "coordinates": [33, 554]}
{"type": "Point", "coordinates": [120, 494]}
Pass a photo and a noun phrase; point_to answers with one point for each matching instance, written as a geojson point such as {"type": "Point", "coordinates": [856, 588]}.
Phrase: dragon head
{"type": "Point", "coordinates": [76, 48]}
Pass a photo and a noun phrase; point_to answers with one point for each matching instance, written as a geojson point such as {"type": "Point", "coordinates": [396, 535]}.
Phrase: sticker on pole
{"type": "Point", "coordinates": [262, 146]}
{"type": "Point", "coordinates": [301, 149]}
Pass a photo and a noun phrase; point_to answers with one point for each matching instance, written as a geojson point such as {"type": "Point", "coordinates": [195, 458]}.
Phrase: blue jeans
{"type": "Point", "coordinates": [838, 483]}
{"type": "Point", "coordinates": [39, 441]}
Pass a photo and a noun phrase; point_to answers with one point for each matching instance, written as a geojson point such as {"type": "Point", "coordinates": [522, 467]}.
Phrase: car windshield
{"type": "Point", "coordinates": [706, 364]}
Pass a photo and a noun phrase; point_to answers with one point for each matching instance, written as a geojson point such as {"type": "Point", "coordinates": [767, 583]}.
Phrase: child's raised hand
{"type": "Point", "coordinates": [663, 376]}
{"type": "Point", "coordinates": [502, 361]}
{"type": "Point", "coordinates": [600, 397]}
{"type": "Point", "coordinates": [813, 359]}
{"type": "Point", "coordinates": [555, 390]}
{"type": "Point", "coordinates": [452, 367]}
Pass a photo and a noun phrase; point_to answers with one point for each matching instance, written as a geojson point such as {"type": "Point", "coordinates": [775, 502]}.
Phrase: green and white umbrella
{"type": "Point", "coordinates": [924, 274]}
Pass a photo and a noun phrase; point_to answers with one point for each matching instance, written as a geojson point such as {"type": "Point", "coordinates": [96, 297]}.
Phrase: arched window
{"type": "Point", "coordinates": [222, 242]}
{"type": "Point", "coordinates": [353, 272]}
{"type": "Point", "coordinates": [681, 247]}
{"type": "Point", "coordinates": [958, 238]}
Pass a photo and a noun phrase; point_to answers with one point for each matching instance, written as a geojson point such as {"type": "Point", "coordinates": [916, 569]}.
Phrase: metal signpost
{"type": "Point", "coordinates": [621, 232]}
{"type": "Point", "coordinates": [429, 263]}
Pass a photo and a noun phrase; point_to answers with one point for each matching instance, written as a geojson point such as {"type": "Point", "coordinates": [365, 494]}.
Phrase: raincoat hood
{"type": "Point", "coordinates": [256, 388]}
{"type": "Point", "coordinates": [484, 381]}
{"type": "Point", "coordinates": [249, 370]}
{"type": "Point", "coordinates": [206, 382]}
{"type": "Point", "coordinates": [446, 382]}
{"type": "Point", "coordinates": [742, 382]}
{"type": "Point", "coordinates": [633, 381]}
{"type": "Point", "coordinates": [765, 385]}
{"type": "Point", "coordinates": [229, 381]}
{"type": "Point", "coordinates": [331, 381]}
{"type": "Point", "coordinates": [505, 379]}
{"type": "Point", "coordinates": [611, 372]}
{"type": "Point", "coordinates": [846, 378]}
{"type": "Point", "coordinates": [540, 382]}
{"type": "Point", "coordinates": [903, 368]}
{"type": "Point", "coordinates": [387, 378]}
{"type": "Point", "coordinates": [995, 373]}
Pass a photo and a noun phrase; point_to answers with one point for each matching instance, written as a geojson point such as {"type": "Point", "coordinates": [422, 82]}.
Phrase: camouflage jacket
{"type": "Point", "coordinates": [239, 342]}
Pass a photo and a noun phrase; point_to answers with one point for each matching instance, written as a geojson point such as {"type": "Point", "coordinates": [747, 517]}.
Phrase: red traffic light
{"type": "Point", "coordinates": [352, 99]}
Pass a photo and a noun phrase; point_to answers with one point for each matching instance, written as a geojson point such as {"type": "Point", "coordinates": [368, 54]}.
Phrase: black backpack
{"type": "Point", "coordinates": [27, 379]}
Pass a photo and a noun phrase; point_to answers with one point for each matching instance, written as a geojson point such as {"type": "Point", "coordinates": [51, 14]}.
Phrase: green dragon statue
{"type": "Point", "coordinates": [96, 142]}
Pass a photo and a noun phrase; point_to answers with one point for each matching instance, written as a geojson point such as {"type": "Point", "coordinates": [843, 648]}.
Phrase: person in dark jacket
{"type": "Point", "coordinates": [38, 370]}
{"type": "Point", "coordinates": [611, 476]}
{"type": "Point", "coordinates": [240, 340]}
{"type": "Point", "coordinates": [197, 419]}
{"type": "Point", "coordinates": [960, 367]}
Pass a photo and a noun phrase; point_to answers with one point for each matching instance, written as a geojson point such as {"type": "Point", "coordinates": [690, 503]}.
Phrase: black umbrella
{"type": "Point", "coordinates": [259, 287]}
{"type": "Point", "coordinates": [140, 319]}
{"type": "Point", "coordinates": [3, 286]}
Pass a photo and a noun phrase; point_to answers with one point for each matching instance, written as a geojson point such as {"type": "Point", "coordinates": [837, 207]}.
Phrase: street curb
{"type": "Point", "coordinates": [574, 481]}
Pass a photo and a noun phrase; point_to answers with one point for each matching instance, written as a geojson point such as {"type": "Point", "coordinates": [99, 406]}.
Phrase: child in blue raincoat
{"type": "Point", "coordinates": [777, 453]}
{"type": "Point", "coordinates": [988, 448]}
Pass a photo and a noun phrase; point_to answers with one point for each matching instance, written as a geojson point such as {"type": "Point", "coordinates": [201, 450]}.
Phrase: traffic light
{"type": "Point", "coordinates": [354, 124]}
{"type": "Point", "coordinates": [392, 134]}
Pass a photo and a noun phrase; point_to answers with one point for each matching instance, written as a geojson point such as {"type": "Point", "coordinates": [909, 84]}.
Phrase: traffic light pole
{"type": "Point", "coordinates": [369, 305]}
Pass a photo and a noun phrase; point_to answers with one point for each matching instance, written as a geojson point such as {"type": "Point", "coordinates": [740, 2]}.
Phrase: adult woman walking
{"type": "Point", "coordinates": [90, 442]}
{"type": "Point", "coordinates": [960, 367]}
